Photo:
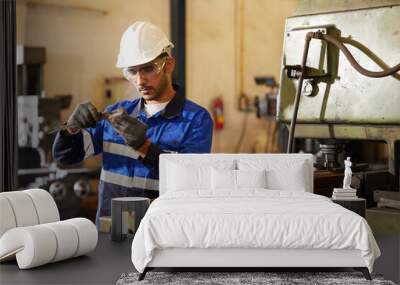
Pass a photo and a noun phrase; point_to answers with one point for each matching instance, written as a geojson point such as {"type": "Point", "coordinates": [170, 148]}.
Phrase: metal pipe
{"type": "Point", "coordinates": [353, 62]}
{"type": "Point", "coordinates": [298, 93]}
{"type": "Point", "coordinates": [350, 58]}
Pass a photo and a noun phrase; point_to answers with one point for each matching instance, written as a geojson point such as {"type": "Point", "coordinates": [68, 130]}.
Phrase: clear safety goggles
{"type": "Point", "coordinates": [150, 70]}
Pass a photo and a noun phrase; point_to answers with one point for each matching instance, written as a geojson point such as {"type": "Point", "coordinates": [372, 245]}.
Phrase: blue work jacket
{"type": "Point", "coordinates": [182, 127]}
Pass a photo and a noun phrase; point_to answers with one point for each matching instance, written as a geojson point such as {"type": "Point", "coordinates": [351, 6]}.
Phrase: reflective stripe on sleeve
{"type": "Point", "coordinates": [87, 144]}
{"type": "Point", "coordinates": [129, 182]}
{"type": "Point", "coordinates": [120, 149]}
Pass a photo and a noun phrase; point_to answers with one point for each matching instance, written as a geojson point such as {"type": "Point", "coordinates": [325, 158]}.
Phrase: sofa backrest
{"type": "Point", "coordinates": [26, 208]}
{"type": "Point", "coordinates": [285, 170]}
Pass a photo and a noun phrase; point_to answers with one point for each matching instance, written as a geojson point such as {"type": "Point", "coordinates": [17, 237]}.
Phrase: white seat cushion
{"type": "Point", "coordinates": [45, 206]}
{"type": "Point", "coordinates": [67, 240]}
{"type": "Point", "coordinates": [7, 218]}
{"type": "Point", "coordinates": [23, 208]}
{"type": "Point", "coordinates": [87, 235]}
{"type": "Point", "coordinates": [33, 246]}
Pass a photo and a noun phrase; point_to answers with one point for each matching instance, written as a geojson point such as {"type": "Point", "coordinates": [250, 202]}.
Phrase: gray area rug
{"type": "Point", "coordinates": [232, 278]}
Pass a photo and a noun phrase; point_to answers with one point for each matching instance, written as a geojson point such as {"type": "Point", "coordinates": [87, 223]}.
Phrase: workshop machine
{"type": "Point", "coordinates": [37, 115]}
{"type": "Point", "coordinates": [340, 93]}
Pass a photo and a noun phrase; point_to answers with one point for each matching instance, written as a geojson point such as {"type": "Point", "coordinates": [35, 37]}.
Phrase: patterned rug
{"type": "Point", "coordinates": [243, 278]}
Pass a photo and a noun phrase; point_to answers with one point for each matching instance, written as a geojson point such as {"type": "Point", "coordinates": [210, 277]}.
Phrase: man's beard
{"type": "Point", "coordinates": [159, 90]}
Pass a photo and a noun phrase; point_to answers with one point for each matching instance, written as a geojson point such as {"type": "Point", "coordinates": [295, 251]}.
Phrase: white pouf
{"type": "Point", "coordinates": [31, 232]}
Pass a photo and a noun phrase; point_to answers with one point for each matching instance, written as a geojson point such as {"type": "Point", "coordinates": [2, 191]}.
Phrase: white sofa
{"type": "Point", "coordinates": [31, 231]}
{"type": "Point", "coordinates": [267, 198]}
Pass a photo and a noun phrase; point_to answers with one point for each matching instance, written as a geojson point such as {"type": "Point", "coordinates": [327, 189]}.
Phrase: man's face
{"type": "Point", "coordinates": [151, 79]}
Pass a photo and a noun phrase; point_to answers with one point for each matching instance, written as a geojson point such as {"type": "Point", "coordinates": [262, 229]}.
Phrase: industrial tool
{"type": "Point", "coordinates": [266, 106]}
{"type": "Point", "coordinates": [104, 115]}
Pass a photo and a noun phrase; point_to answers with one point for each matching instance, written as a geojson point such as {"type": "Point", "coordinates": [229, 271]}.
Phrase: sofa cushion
{"type": "Point", "coordinates": [45, 206]}
{"type": "Point", "coordinates": [7, 218]}
{"type": "Point", "coordinates": [67, 240]}
{"type": "Point", "coordinates": [23, 208]}
{"type": "Point", "coordinates": [26, 208]}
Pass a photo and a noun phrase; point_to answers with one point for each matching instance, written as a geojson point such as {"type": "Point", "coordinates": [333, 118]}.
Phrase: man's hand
{"type": "Point", "coordinates": [85, 115]}
{"type": "Point", "coordinates": [133, 130]}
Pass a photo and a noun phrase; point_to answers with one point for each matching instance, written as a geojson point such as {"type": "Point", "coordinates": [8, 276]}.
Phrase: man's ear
{"type": "Point", "coordinates": [170, 65]}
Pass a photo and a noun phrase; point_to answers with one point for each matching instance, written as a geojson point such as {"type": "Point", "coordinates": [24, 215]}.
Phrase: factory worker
{"type": "Point", "coordinates": [131, 139]}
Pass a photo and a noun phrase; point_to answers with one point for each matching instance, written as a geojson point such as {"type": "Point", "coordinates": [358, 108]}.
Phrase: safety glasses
{"type": "Point", "coordinates": [150, 70]}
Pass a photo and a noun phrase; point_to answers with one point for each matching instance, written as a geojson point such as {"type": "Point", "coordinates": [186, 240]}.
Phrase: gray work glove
{"type": "Point", "coordinates": [131, 129]}
{"type": "Point", "coordinates": [85, 115]}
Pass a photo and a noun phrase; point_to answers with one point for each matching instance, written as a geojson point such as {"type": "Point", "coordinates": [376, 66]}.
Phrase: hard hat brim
{"type": "Point", "coordinates": [123, 62]}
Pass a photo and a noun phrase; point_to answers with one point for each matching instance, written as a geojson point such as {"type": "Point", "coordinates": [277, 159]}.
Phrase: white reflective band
{"type": "Point", "coordinates": [129, 182]}
{"type": "Point", "coordinates": [120, 149]}
{"type": "Point", "coordinates": [87, 144]}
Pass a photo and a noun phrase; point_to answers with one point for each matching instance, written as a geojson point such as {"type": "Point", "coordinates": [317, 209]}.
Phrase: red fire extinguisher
{"type": "Point", "coordinates": [217, 106]}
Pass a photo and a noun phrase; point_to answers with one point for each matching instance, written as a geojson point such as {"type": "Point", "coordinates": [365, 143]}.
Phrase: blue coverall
{"type": "Point", "coordinates": [182, 127]}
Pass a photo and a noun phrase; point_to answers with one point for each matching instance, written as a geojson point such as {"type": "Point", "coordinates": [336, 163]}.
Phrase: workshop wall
{"type": "Point", "coordinates": [82, 38]}
{"type": "Point", "coordinates": [228, 43]}
{"type": "Point", "coordinates": [21, 10]}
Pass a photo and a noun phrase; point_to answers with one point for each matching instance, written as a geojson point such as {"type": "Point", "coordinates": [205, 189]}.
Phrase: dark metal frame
{"type": "Point", "coordinates": [178, 38]}
{"type": "Point", "coordinates": [8, 97]}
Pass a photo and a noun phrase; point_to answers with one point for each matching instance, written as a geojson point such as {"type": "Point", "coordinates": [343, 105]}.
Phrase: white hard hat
{"type": "Point", "coordinates": [141, 43]}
